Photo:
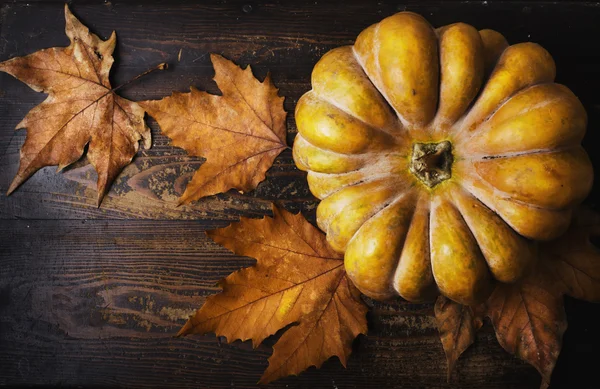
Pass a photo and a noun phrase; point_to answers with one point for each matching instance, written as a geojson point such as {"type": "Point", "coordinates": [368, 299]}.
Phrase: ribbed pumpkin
{"type": "Point", "coordinates": [440, 156]}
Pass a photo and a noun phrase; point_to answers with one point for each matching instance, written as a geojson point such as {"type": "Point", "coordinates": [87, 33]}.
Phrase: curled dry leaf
{"type": "Point", "coordinates": [297, 279]}
{"type": "Point", "coordinates": [81, 108]}
{"type": "Point", "coordinates": [530, 320]}
{"type": "Point", "coordinates": [528, 316]}
{"type": "Point", "coordinates": [574, 260]}
{"type": "Point", "coordinates": [239, 133]}
{"type": "Point", "coordinates": [457, 325]}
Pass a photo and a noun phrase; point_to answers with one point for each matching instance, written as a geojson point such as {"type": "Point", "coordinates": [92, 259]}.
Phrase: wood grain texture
{"type": "Point", "coordinates": [93, 296]}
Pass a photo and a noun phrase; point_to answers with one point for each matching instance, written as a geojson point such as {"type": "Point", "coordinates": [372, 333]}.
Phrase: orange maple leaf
{"type": "Point", "coordinates": [297, 279]}
{"type": "Point", "coordinates": [239, 133]}
{"type": "Point", "coordinates": [81, 108]}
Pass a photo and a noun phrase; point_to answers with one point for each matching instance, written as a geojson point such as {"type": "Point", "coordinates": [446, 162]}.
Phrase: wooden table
{"type": "Point", "coordinates": [93, 296]}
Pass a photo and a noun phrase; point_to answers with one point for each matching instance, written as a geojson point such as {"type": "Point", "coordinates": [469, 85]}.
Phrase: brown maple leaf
{"type": "Point", "coordinates": [529, 319]}
{"type": "Point", "coordinates": [239, 133]}
{"type": "Point", "coordinates": [574, 260]}
{"type": "Point", "coordinates": [457, 325]}
{"type": "Point", "coordinates": [81, 108]}
{"type": "Point", "coordinates": [297, 279]}
{"type": "Point", "coordinates": [528, 316]}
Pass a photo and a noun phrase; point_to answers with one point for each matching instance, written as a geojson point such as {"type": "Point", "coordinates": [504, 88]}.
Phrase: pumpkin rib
{"type": "Point", "coordinates": [530, 107]}
{"type": "Point", "coordinates": [461, 275]}
{"type": "Point", "coordinates": [414, 89]}
{"type": "Point", "coordinates": [507, 197]}
{"type": "Point", "coordinates": [303, 164]}
{"type": "Point", "coordinates": [386, 205]}
{"type": "Point", "coordinates": [470, 135]}
{"type": "Point", "coordinates": [459, 133]}
{"type": "Point", "coordinates": [364, 175]}
{"type": "Point", "coordinates": [345, 134]}
{"type": "Point", "coordinates": [551, 180]}
{"type": "Point", "coordinates": [507, 254]}
{"type": "Point", "coordinates": [411, 282]}
{"type": "Point", "coordinates": [562, 113]}
{"type": "Point", "coordinates": [494, 45]}
{"type": "Point", "coordinates": [470, 175]}
{"type": "Point", "coordinates": [359, 180]}
{"type": "Point", "coordinates": [347, 214]}
{"type": "Point", "coordinates": [461, 72]}
{"type": "Point", "coordinates": [509, 78]}
{"type": "Point", "coordinates": [560, 218]}
{"type": "Point", "coordinates": [340, 79]}
{"type": "Point", "coordinates": [375, 78]}
{"type": "Point", "coordinates": [351, 264]}
{"type": "Point", "coordinates": [400, 132]}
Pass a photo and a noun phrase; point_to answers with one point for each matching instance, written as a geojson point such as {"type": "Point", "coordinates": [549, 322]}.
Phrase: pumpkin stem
{"type": "Point", "coordinates": [432, 162]}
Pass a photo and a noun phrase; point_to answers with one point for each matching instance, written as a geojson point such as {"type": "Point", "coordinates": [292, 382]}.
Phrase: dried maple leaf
{"type": "Point", "coordinates": [81, 108]}
{"type": "Point", "coordinates": [457, 325]}
{"type": "Point", "coordinates": [239, 133]}
{"type": "Point", "coordinates": [529, 319]}
{"type": "Point", "coordinates": [574, 260]}
{"type": "Point", "coordinates": [297, 279]}
{"type": "Point", "coordinates": [528, 316]}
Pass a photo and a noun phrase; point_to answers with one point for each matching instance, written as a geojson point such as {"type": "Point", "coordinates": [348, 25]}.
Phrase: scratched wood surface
{"type": "Point", "coordinates": [93, 296]}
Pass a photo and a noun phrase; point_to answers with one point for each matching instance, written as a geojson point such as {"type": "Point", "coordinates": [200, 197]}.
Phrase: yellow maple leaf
{"type": "Point", "coordinates": [298, 279]}
{"type": "Point", "coordinates": [239, 133]}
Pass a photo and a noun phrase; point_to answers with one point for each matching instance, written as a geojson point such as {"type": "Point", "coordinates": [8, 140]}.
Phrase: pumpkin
{"type": "Point", "coordinates": [440, 156]}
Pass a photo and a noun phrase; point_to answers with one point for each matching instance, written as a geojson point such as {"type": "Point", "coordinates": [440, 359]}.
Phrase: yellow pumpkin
{"type": "Point", "coordinates": [440, 156]}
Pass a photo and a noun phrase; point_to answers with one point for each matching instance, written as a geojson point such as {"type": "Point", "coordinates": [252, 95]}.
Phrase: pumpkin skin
{"type": "Point", "coordinates": [440, 156]}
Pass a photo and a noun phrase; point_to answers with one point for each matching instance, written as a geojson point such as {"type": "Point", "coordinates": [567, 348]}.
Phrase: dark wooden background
{"type": "Point", "coordinates": [92, 297]}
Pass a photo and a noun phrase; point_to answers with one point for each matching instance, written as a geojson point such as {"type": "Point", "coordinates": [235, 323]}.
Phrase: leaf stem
{"type": "Point", "coordinates": [160, 66]}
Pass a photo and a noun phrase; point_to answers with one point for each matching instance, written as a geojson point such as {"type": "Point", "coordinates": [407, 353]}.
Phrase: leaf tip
{"type": "Point", "coordinates": [14, 185]}
{"type": "Point", "coordinates": [68, 13]}
{"type": "Point", "coordinates": [99, 200]}
{"type": "Point", "coordinates": [215, 57]}
{"type": "Point", "coordinates": [266, 379]}
{"type": "Point", "coordinates": [186, 198]}
{"type": "Point", "coordinates": [111, 42]}
{"type": "Point", "coordinates": [185, 330]}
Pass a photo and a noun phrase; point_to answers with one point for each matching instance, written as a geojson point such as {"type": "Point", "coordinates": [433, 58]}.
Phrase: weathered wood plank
{"type": "Point", "coordinates": [97, 302]}
{"type": "Point", "coordinates": [80, 298]}
{"type": "Point", "coordinates": [149, 189]}
{"type": "Point", "coordinates": [284, 38]}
